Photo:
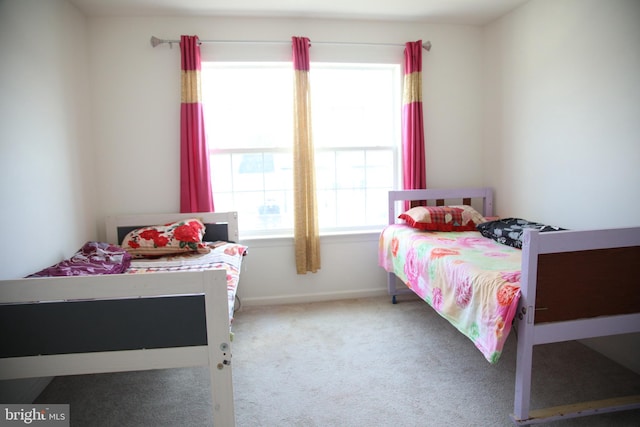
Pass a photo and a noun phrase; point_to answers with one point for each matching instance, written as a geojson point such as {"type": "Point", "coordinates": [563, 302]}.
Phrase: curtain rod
{"type": "Point", "coordinates": [155, 41]}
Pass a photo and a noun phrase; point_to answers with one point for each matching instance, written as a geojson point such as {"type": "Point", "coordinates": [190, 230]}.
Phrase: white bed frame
{"type": "Point", "coordinates": [213, 284]}
{"type": "Point", "coordinates": [529, 333]}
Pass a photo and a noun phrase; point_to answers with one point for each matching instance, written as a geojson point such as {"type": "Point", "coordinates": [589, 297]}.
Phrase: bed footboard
{"type": "Point", "coordinates": [573, 269]}
{"type": "Point", "coordinates": [215, 353]}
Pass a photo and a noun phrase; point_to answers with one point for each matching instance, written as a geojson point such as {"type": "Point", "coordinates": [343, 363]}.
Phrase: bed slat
{"type": "Point", "coordinates": [581, 409]}
{"type": "Point", "coordinates": [438, 202]}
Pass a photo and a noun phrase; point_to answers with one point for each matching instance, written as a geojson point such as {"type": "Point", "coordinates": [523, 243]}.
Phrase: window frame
{"type": "Point", "coordinates": [394, 148]}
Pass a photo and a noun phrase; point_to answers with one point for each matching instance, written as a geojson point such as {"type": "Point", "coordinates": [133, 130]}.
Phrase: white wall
{"type": "Point", "coordinates": [562, 112]}
{"type": "Point", "coordinates": [562, 136]}
{"type": "Point", "coordinates": [136, 95]}
{"type": "Point", "coordinates": [46, 202]}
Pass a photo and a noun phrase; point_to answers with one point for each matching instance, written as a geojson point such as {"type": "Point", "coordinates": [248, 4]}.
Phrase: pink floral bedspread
{"type": "Point", "coordinates": [470, 280]}
{"type": "Point", "coordinates": [228, 256]}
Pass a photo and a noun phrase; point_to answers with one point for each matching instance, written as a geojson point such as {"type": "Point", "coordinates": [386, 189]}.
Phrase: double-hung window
{"type": "Point", "coordinates": [355, 112]}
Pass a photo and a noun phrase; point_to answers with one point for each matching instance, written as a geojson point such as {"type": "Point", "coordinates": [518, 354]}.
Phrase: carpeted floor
{"type": "Point", "coordinates": [351, 363]}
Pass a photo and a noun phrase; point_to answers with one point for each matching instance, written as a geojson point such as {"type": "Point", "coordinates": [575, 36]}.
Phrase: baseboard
{"type": "Point", "coordinates": [317, 297]}
{"type": "Point", "coordinates": [23, 390]}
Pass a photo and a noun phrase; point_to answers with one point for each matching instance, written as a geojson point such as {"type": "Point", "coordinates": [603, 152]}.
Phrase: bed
{"type": "Point", "coordinates": [53, 326]}
{"type": "Point", "coordinates": [559, 286]}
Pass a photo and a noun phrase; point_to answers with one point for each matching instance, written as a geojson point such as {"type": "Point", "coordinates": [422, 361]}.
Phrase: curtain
{"type": "Point", "coordinates": [413, 156]}
{"type": "Point", "coordinates": [195, 179]}
{"type": "Point", "coordinates": [306, 235]}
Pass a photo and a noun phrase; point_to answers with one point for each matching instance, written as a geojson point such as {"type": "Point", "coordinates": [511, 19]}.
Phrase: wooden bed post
{"type": "Point", "coordinates": [525, 316]}
{"type": "Point", "coordinates": [391, 277]}
{"type": "Point", "coordinates": [219, 348]}
{"type": "Point", "coordinates": [487, 203]}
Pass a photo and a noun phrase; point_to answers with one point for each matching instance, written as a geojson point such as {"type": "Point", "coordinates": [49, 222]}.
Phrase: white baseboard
{"type": "Point", "coordinates": [317, 297]}
{"type": "Point", "coordinates": [23, 390]}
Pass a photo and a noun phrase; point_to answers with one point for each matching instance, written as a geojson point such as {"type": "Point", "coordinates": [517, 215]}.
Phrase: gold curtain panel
{"type": "Point", "coordinates": [190, 87]}
{"type": "Point", "coordinates": [412, 91]}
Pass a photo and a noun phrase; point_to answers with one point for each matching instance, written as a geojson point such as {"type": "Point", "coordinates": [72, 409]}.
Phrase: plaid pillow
{"type": "Point", "coordinates": [443, 218]}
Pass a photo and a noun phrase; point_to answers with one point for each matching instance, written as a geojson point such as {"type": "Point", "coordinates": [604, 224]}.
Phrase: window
{"type": "Point", "coordinates": [248, 110]}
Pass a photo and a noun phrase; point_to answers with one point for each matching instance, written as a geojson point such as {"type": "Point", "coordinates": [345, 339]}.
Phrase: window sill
{"type": "Point", "coordinates": [326, 237]}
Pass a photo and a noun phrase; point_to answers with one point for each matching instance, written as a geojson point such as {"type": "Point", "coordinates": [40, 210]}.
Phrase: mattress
{"type": "Point", "coordinates": [470, 280]}
{"type": "Point", "coordinates": [227, 256]}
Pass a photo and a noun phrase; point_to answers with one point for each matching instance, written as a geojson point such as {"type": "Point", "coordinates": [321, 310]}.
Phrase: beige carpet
{"type": "Point", "coordinates": [351, 363]}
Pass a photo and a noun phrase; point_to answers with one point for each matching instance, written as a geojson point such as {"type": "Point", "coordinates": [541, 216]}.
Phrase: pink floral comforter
{"type": "Point", "coordinates": [470, 280]}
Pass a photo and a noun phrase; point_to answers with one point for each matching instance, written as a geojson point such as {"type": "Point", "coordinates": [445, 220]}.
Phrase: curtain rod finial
{"type": "Point", "coordinates": [155, 41]}
{"type": "Point", "coordinates": [427, 45]}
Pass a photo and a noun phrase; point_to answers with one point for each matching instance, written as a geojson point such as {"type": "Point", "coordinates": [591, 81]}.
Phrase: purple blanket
{"type": "Point", "coordinates": [93, 258]}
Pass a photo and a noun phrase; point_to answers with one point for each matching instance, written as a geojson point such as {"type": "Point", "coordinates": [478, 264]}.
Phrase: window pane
{"type": "Point", "coordinates": [356, 109]}
{"type": "Point", "coordinates": [351, 208]}
{"type": "Point", "coordinates": [221, 176]}
{"type": "Point", "coordinates": [379, 169]}
{"type": "Point", "coordinates": [247, 172]}
{"type": "Point", "coordinates": [224, 201]}
{"type": "Point", "coordinates": [241, 111]}
{"type": "Point", "coordinates": [327, 204]}
{"type": "Point", "coordinates": [248, 203]}
{"type": "Point", "coordinates": [281, 175]}
{"type": "Point", "coordinates": [325, 169]}
{"type": "Point", "coordinates": [374, 199]}
{"type": "Point", "coordinates": [353, 105]}
{"type": "Point", "coordinates": [350, 169]}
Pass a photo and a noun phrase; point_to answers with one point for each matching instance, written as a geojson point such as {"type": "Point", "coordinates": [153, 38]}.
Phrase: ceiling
{"type": "Point", "coordinates": [466, 12]}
